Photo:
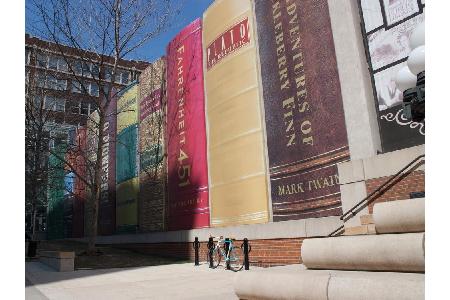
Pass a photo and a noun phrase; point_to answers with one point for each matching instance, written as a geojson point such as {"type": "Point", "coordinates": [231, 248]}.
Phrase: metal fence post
{"type": "Point", "coordinates": [196, 245]}
{"type": "Point", "coordinates": [210, 252]}
{"type": "Point", "coordinates": [227, 248]}
{"type": "Point", "coordinates": [246, 252]}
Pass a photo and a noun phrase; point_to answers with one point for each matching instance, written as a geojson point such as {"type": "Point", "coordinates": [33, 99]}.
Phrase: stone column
{"type": "Point", "coordinates": [357, 94]}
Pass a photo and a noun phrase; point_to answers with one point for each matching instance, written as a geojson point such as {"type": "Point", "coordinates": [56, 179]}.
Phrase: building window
{"type": "Point", "coordinates": [37, 102]}
{"type": "Point", "coordinates": [52, 82]}
{"type": "Point", "coordinates": [108, 73]}
{"type": "Point", "coordinates": [27, 56]}
{"type": "Point", "coordinates": [118, 79]}
{"type": "Point", "coordinates": [92, 107]}
{"type": "Point", "coordinates": [125, 77]}
{"type": "Point", "coordinates": [41, 60]}
{"type": "Point", "coordinates": [61, 85]}
{"type": "Point", "coordinates": [76, 87]}
{"type": "Point", "coordinates": [86, 69]}
{"type": "Point", "coordinates": [53, 62]}
{"type": "Point", "coordinates": [40, 80]}
{"type": "Point", "coordinates": [55, 104]}
{"type": "Point", "coordinates": [94, 90]}
{"type": "Point", "coordinates": [75, 108]}
{"type": "Point", "coordinates": [106, 90]}
{"type": "Point", "coordinates": [84, 108]}
{"type": "Point", "coordinates": [95, 71]}
{"type": "Point", "coordinates": [62, 65]}
{"type": "Point", "coordinates": [136, 75]}
{"type": "Point", "coordinates": [77, 67]}
{"type": "Point", "coordinates": [60, 105]}
{"type": "Point", "coordinates": [27, 77]}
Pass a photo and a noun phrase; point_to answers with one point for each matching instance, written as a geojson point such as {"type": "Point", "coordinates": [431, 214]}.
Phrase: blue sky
{"type": "Point", "coordinates": [156, 47]}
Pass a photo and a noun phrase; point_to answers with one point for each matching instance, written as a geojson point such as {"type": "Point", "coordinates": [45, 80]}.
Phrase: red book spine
{"type": "Point", "coordinates": [188, 205]}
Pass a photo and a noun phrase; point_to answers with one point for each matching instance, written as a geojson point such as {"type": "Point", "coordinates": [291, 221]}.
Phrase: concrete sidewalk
{"type": "Point", "coordinates": [176, 281]}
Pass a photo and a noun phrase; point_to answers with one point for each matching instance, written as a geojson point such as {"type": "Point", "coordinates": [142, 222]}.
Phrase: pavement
{"type": "Point", "coordinates": [176, 281]}
{"type": "Point", "coordinates": [32, 293]}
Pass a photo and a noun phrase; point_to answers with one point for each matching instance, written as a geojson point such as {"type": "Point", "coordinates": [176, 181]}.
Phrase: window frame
{"type": "Point", "coordinates": [53, 59]}
{"type": "Point", "coordinates": [41, 79]}
{"type": "Point", "coordinates": [91, 84]}
{"type": "Point", "coordinates": [78, 107]}
{"type": "Point", "coordinates": [43, 55]}
{"type": "Point", "coordinates": [87, 108]}
{"type": "Point", "coordinates": [122, 77]}
{"type": "Point", "coordinates": [61, 62]}
{"type": "Point", "coordinates": [108, 73]}
{"type": "Point", "coordinates": [118, 78]}
{"type": "Point", "coordinates": [95, 74]}
{"type": "Point", "coordinates": [77, 67]}
{"type": "Point", "coordinates": [55, 105]}
{"type": "Point", "coordinates": [87, 70]}
{"type": "Point", "coordinates": [76, 87]}
{"type": "Point", "coordinates": [61, 85]}
{"type": "Point", "coordinates": [51, 82]}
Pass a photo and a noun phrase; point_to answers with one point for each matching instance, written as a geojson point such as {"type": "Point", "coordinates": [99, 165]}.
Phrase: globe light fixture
{"type": "Point", "coordinates": [416, 60]}
{"type": "Point", "coordinates": [411, 78]}
{"type": "Point", "coordinates": [405, 79]}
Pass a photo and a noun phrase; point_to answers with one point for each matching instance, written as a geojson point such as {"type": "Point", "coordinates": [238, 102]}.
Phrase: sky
{"type": "Point", "coordinates": [155, 48]}
{"type": "Point", "coordinates": [193, 9]}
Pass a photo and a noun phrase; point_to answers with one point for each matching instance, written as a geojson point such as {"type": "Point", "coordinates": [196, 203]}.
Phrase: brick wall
{"type": "Point", "coordinates": [264, 253]}
{"type": "Point", "coordinates": [414, 182]}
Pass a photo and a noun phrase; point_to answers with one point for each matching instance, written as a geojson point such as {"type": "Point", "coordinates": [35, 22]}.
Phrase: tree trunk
{"type": "Point", "coordinates": [33, 223]}
{"type": "Point", "coordinates": [96, 192]}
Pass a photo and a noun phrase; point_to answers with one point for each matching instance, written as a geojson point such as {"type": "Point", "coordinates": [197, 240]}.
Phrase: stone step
{"type": "Point", "coordinates": [328, 285]}
{"type": "Point", "coordinates": [360, 230]}
{"type": "Point", "coordinates": [400, 216]}
{"type": "Point", "coordinates": [385, 252]}
{"type": "Point", "coordinates": [367, 219]}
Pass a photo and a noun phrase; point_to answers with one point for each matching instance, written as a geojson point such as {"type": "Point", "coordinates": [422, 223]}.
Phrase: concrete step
{"type": "Point", "coordinates": [400, 216]}
{"type": "Point", "coordinates": [360, 230]}
{"type": "Point", "coordinates": [367, 219]}
{"type": "Point", "coordinates": [386, 252]}
{"type": "Point", "coordinates": [328, 285]}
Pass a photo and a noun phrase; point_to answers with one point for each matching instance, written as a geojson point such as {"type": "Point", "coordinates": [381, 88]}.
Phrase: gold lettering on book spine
{"type": "Point", "coordinates": [303, 131]}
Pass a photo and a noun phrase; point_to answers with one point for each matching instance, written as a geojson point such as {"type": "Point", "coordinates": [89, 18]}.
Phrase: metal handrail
{"type": "Point", "coordinates": [388, 184]}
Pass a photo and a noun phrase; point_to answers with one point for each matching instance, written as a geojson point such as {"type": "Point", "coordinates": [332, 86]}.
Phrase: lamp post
{"type": "Point", "coordinates": [411, 78]}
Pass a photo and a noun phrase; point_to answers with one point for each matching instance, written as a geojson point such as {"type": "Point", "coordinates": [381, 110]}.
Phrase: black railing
{"type": "Point", "coordinates": [247, 248]}
{"type": "Point", "coordinates": [210, 252]}
{"type": "Point", "coordinates": [408, 169]}
{"type": "Point", "coordinates": [196, 246]}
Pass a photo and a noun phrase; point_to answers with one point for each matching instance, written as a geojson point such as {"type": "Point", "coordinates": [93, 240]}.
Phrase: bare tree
{"type": "Point", "coordinates": [152, 150]}
{"type": "Point", "coordinates": [153, 87]}
{"type": "Point", "coordinates": [111, 30]}
{"type": "Point", "coordinates": [39, 126]}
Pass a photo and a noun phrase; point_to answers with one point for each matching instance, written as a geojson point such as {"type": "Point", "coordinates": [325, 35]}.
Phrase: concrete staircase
{"type": "Point", "coordinates": [384, 258]}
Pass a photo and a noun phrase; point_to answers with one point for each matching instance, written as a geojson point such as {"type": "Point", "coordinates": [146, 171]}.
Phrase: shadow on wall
{"type": "Point", "coordinates": [187, 206]}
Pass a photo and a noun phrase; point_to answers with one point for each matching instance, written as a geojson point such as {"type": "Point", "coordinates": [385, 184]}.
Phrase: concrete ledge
{"type": "Point", "coordinates": [60, 261]}
{"type": "Point", "coordinates": [377, 166]}
{"type": "Point", "coordinates": [290, 283]}
{"type": "Point", "coordinates": [387, 252]}
{"type": "Point", "coordinates": [390, 163]}
{"type": "Point", "coordinates": [400, 216]}
{"type": "Point", "coordinates": [348, 285]}
{"type": "Point", "coordinates": [313, 227]}
{"type": "Point", "coordinates": [279, 285]}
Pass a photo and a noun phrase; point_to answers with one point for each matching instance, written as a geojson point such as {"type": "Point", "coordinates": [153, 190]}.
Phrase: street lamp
{"type": "Point", "coordinates": [411, 78]}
